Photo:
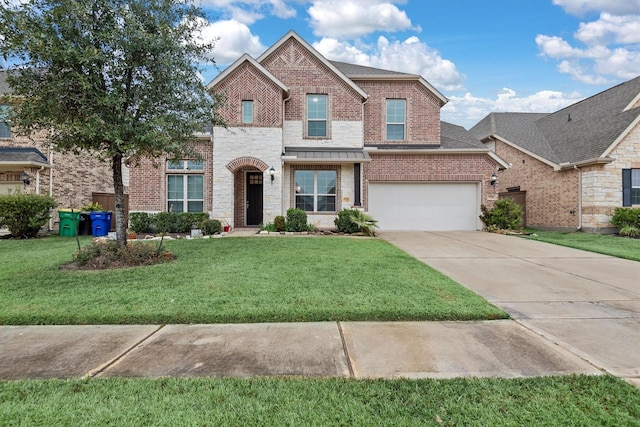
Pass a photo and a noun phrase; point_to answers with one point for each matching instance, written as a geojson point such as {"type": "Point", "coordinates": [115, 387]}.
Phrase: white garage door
{"type": "Point", "coordinates": [424, 206]}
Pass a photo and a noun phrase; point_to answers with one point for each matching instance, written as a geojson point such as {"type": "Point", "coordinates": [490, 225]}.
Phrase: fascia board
{"type": "Point", "coordinates": [246, 58]}
{"type": "Point", "coordinates": [623, 135]}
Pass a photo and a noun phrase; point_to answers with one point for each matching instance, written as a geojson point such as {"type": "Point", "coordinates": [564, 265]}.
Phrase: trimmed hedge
{"type": "Point", "coordinates": [170, 222]}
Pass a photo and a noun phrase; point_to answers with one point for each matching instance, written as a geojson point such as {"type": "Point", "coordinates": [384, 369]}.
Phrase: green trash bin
{"type": "Point", "coordinates": [69, 222]}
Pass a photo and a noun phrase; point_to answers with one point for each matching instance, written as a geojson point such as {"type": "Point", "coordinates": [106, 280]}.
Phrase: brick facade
{"type": "Point", "coordinates": [71, 180]}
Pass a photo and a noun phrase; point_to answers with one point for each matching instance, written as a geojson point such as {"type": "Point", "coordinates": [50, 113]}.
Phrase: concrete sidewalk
{"type": "Point", "coordinates": [586, 303]}
{"type": "Point", "coordinates": [325, 349]}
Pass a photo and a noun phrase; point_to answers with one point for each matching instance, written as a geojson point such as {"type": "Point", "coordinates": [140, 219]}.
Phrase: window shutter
{"type": "Point", "coordinates": [626, 187]}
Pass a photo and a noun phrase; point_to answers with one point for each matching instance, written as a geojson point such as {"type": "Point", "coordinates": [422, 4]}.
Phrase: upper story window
{"type": "Point", "coordinates": [247, 111]}
{"type": "Point", "coordinates": [5, 125]}
{"type": "Point", "coordinates": [396, 119]}
{"type": "Point", "coordinates": [317, 116]}
{"type": "Point", "coordinates": [189, 165]}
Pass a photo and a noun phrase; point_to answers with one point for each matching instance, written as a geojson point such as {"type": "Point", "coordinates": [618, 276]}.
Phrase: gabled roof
{"type": "Point", "coordinates": [361, 72]}
{"type": "Point", "coordinates": [292, 34]}
{"type": "Point", "coordinates": [247, 58]}
{"type": "Point", "coordinates": [584, 131]}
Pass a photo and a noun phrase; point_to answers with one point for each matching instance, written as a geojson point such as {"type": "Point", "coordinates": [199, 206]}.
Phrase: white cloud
{"type": "Point", "coordinates": [249, 11]}
{"type": "Point", "coordinates": [233, 39]}
{"type": "Point", "coordinates": [468, 110]}
{"type": "Point", "coordinates": [610, 45]}
{"type": "Point", "coordinates": [355, 18]}
{"type": "Point", "coordinates": [617, 7]}
{"type": "Point", "coordinates": [410, 56]}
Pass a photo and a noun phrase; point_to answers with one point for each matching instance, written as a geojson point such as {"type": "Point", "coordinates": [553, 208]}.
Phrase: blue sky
{"type": "Point", "coordinates": [484, 55]}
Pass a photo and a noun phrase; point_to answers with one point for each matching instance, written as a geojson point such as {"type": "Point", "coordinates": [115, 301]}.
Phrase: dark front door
{"type": "Point", "coordinates": [254, 198]}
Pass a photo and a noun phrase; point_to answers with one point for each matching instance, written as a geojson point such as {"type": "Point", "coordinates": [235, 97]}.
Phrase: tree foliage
{"type": "Point", "coordinates": [115, 78]}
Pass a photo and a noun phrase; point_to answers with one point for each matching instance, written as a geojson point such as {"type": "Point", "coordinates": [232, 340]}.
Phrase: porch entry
{"type": "Point", "coordinates": [253, 202]}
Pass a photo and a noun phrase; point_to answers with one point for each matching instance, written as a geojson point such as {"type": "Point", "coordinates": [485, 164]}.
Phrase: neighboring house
{"type": "Point", "coordinates": [572, 168]}
{"type": "Point", "coordinates": [320, 135]}
{"type": "Point", "coordinates": [29, 164]}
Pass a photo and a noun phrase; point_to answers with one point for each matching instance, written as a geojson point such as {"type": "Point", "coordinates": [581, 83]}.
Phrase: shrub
{"type": "Point", "coordinates": [505, 215]}
{"type": "Point", "coordinates": [140, 222]}
{"type": "Point", "coordinates": [25, 214]}
{"type": "Point", "coordinates": [270, 227]}
{"type": "Point", "coordinates": [344, 222]}
{"type": "Point", "coordinates": [279, 223]}
{"type": "Point", "coordinates": [626, 216]}
{"type": "Point", "coordinates": [211, 226]}
{"type": "Point", "coordinates": [109, 254]}
{"type": "Point", "coordinates": [296, 220]}
{"type": "Point", "coordinates": [171, 222]}
{"type": "Point", "coordinates": [630, 231]}
{"type": "Point", "coordinates": [91, 207]}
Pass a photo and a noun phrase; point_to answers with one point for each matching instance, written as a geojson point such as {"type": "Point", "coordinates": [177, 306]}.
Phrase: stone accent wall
{"type": "Point", "coordinates": [602, 184]}
{"type": "Point", "coordinates": [232, 147]}
{"type": "Point", "coordinates": [432, 168]}
{"type": "Point", "coordinates": [73, 178]}
{"type": "Point", "coordinates": [423, 112]}
{"type": "Point", "coordinates": [343, 135]}
{"type": "Point", "coordinates": [552, 196]}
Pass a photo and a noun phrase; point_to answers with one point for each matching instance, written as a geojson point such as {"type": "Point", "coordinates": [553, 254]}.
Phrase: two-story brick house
{"type": "Point", "coordinates": [306, 132]}
{"type": "Point", "coordinates": [572, 168]}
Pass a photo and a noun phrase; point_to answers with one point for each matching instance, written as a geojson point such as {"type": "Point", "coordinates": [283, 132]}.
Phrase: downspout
{"type": "Point", "coordinates": [38, 179]}
{"type": "Point", "coordinates": [282, 189]}
{"type": "Point", "coordinates": [364, 204]}
{"type": "Point", "coordinates": [50, 182]}
{"type": "Point", "coordinates": [579, 197]}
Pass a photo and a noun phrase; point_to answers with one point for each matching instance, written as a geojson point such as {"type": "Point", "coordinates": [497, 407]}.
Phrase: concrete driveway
{"type": "Point", "coordinates": [587, 303]}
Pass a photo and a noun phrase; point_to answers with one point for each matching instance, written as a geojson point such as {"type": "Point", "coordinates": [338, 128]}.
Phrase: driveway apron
{"type": "Point", "coordinates": [587, 303]}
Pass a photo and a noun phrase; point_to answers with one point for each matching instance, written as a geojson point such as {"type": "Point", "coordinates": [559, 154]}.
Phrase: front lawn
{"type": "Point", "coordinates": [549, 401]}
{"type": "Point", "coordinates": [229, 280]}
{"type": "Point", "coordinates": [607, 244]}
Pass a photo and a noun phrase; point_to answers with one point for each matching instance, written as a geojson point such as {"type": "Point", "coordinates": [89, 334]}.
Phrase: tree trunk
{"type": "Point", "coordinates": [118, 187]}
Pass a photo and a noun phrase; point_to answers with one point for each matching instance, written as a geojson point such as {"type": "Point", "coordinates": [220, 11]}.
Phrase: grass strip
{"type": "Point", "coordinates": [606, 244]}
{"type": "Point", "coordinates": [232, 280]}
{"type": "Point", "coordinates": [544, 401]}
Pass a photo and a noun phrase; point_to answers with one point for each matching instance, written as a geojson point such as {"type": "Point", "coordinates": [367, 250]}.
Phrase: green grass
{"type": "Point", "coordinates": [549, 401]}
{"type": "Point", "coordinates": [269, 279]}
{"type": "Point", "coordinates": [607, 244]}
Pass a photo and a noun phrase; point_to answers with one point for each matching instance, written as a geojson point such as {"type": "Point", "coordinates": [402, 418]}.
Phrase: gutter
{"type": "Point", "coordinates": [488, 152]}
{"type": "Point", "coordinates": [588, 162]}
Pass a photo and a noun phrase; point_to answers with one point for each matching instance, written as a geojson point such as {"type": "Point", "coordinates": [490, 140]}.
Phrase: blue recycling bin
{"type": "Point", "coordinates": [100, 223]}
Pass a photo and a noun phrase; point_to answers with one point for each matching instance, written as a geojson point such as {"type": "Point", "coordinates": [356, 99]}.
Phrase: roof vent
{"type": "Point", "coordinates": [569, 118]}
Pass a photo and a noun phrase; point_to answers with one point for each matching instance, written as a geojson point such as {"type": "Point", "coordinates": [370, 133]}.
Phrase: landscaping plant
{"type": "Point", "coordinates": [25, 214]}
{"type": "Point", "coordinates": [354, 220]}
{"type": "Point", "coordinates": [296, 220]}
{"type": "Point", "coordinates": [211, 226]}
{"type": "Point", "coordinates": [505, 215]}
{"type": "Point", "coordinates": [628, 221]}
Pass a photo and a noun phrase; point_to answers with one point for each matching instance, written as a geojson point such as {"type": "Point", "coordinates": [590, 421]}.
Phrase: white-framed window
{"type": "Point", "coordinates": [186, 165]}
{"type": "Point", "coordinates": [5, 124]}
{"type": "Point", "coordinates": [635, 186]}
{"type": "Point", "coordinates": [185, 193]}
{"type": "Point", "coordinates": [396, 119]}
{"type": "Point", "coordinates": [247, 111]}
{"type": "Point", "coordinates": [316, 190]}
{"type": "Point", "coordinates": [316, 116]}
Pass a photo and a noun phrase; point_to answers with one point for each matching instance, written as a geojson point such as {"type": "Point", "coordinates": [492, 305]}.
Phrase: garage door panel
{"type": "Point", "coordinates": [424, 206]}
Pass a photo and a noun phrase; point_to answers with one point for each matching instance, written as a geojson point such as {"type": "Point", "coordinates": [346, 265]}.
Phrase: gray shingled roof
{"type": "Point", "coordinates": [22, 155]}
{"type": "Point", "coordinates": [454, 136]}
{"type": "Point", "coordinates": [582, 131]}
{"type": "Point", "coordinates": [4, 87]}
{"type": "Point", "coordinates": [353, 70]}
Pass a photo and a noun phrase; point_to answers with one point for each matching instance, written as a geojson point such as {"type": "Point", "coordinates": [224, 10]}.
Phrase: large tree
{"type": "Point", "coordinates": [115, 78]}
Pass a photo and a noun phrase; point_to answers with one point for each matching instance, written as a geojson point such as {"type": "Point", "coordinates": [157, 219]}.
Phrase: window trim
{"type": "Point", "coordinates": [185, 192]}
{"type": "Point", "coordinates": [244, 119]}
{"type": "Point", "coordinates": [325, 120]}
{"type": "Point", "coordinates": [315, 193]}
{"type": "Point", "coordinates": [5, 124]}
{"type": "Point", "coordinates": [403, 123]}
{"type": "Point", "coordinates": [186, 165]}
